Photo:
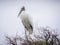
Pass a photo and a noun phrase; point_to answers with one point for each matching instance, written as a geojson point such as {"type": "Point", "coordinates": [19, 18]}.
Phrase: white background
{"type": "Point", "coordinates": [44, 13]}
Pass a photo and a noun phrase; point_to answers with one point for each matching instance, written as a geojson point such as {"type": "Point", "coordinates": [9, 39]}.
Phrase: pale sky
{"type": "Point", "coordinates": [44, 13]}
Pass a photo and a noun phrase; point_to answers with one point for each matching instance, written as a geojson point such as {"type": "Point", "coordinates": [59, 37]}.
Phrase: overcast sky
{"type": "Point", "coordinates": [44, 13]}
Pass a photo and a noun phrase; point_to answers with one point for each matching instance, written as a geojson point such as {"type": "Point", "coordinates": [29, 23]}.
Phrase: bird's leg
{"type": "Point", "coordinates": [26, 36]}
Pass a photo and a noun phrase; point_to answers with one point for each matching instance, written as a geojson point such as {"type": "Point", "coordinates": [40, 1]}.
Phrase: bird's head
{"type": "Point", "coordinates": [22, 9]}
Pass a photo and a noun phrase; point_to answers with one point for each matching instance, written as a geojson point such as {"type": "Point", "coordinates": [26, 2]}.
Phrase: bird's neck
{"type": "Point", "coordinates": [22, 12]}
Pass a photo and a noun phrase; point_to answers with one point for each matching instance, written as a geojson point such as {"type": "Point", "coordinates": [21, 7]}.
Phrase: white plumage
{"type": "Point", "coordinates": [25, 20]}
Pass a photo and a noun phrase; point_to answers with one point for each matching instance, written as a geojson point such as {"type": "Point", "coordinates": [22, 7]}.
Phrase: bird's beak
{"type": "Point", "coordinates": [19, 13]}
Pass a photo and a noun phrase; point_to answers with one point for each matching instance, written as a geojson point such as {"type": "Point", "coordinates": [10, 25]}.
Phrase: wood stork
{"type": "Point", "coordinates": [25, 20]}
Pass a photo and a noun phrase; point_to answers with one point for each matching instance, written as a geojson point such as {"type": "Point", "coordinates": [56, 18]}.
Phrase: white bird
{"type": "Point", "coordinates": [25, 20]}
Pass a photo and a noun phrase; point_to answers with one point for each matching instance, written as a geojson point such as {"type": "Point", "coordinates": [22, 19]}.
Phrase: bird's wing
{"type": "Point", "coordinates": [30, 21]}
{"type": "Point", "coordinates": [27, 22]}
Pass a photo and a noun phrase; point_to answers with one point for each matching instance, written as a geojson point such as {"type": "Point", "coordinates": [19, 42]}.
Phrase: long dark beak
{"type": "Point", "coordinates": [19, 13]}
